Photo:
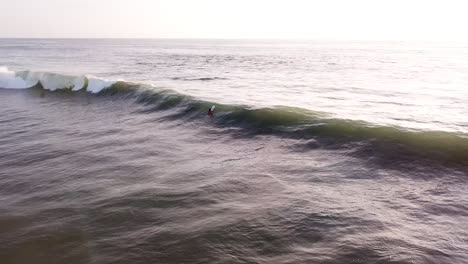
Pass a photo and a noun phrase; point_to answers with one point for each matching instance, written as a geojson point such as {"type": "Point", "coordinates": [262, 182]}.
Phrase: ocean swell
{"type": "Point", "coordinates": [304, 124]}
{"type": "Point", "coordinates": [283, 121]}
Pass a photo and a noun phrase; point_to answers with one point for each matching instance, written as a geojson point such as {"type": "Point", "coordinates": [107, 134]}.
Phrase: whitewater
{"type": "Point", "coordinates": [318, 152]}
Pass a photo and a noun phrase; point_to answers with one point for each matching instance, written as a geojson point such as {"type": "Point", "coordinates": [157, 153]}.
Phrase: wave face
{"type": "Point", "coordinates": [284, 121]}
{"type": "Point", "coordinates": [293, 122]}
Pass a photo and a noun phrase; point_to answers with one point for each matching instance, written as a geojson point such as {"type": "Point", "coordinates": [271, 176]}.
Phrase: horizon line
{"type": "Point", "coordinates": [242, 39]}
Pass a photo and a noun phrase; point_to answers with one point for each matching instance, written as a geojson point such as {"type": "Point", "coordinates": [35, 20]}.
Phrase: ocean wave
{"type": "Point", "coordinates": [198, 79]}
{"type": "Point", "coordinates": [294, 122]}
{"type": "Point", "coordinates": [283, 121]}
{"type": "Point", "coordinates": [12, 80]}
{"type": "Point", "coordinates": [51, 81]}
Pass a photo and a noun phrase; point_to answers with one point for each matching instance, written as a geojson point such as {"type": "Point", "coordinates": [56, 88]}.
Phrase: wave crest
{"type": "Point", "coordinates": [51, 81]}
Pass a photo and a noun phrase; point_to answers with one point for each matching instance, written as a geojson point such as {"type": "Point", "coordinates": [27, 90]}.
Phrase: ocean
{"type": "Point", "coordinates": [317, 152]}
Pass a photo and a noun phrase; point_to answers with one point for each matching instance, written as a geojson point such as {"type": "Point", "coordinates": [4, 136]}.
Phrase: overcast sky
{"type": "Point", "coordinates": [278, 19]}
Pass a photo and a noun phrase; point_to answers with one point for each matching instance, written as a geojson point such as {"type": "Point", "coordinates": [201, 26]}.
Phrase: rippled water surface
{"type": "Point", "coordinates": [318, 152]}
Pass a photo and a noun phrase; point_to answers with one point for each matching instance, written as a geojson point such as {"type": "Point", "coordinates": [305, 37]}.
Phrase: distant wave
{"type": "Point", "coordinates": [280, 120]}
{"type": "Point", "coordinates": [199, 79]}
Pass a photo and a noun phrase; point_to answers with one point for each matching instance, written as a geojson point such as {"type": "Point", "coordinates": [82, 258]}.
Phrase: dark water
{"type": "Point", "coordinates": [124, 177]}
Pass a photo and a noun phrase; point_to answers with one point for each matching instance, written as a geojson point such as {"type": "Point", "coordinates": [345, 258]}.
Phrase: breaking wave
{"type": "Point", "coordinates": [316, 128]}
{"type": "Point", "coordinates": [51, 81]}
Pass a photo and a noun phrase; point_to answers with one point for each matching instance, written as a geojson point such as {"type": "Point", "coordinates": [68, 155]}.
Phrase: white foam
{"type": "Point", "coordinates": [79, 83]}
{"type": "Point", "coordinates": [95, 85]}
{"type": "Point", "coordinates": [50, 81]}
{"type": "Point", "coordinates": [11, 80]}
{"type": "Point", "coordinates": [53, 82]}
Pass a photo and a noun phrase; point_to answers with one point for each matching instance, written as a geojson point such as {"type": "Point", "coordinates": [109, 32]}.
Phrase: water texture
{"type": "Point", "coordinates": [318, 152]}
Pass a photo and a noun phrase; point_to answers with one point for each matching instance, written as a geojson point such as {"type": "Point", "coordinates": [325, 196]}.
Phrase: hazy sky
{"type": "Point", "coordinates": [297, 19]}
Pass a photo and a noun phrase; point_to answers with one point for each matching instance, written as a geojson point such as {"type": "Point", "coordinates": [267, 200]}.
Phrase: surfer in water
{"type": "Point", "coordinates": [211, 110]}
